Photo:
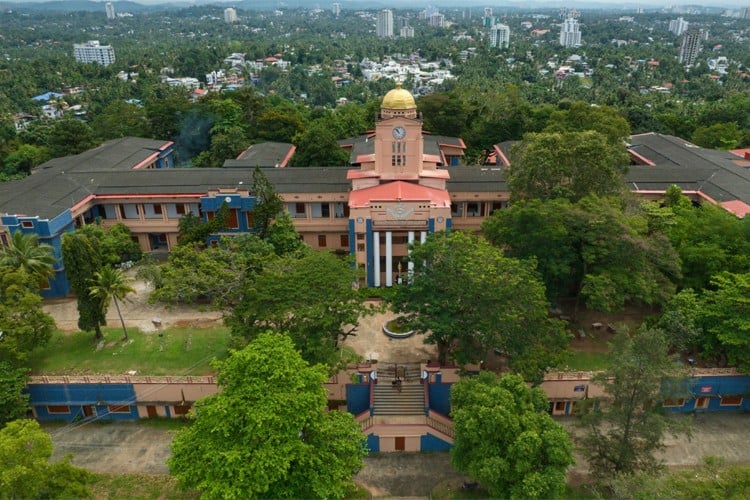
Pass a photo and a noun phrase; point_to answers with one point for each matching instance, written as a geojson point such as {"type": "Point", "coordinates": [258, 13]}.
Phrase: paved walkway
{"type": "Point", "coordinates": [138, 447]}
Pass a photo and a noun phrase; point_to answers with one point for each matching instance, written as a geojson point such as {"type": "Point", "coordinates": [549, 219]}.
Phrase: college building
{"type": "Point", "coordinates": [402, 183]}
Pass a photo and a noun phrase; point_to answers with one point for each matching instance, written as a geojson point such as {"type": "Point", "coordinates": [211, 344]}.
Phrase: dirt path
{"type": "Point", "coordinates": [136, 311]}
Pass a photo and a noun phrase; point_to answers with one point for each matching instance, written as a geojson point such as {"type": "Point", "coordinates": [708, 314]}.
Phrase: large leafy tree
{"type": "Point", "coordinates": [310, 298]}
{"type": "Point", "coordinates": [111, 285]}
{"type": "Point", "coordinates": [581, 116]}
{"type": "Point", "coordinates": [83, 259]}
{"type": "Point", "coordinates": [317, 146]}
{"type": "Point", "coordinates": [267, 434]}
{"type": "Point", "coordinates": [725, 318]}
{"type": "Point", "coordinates": [25, 252]}
{"type": "Point", "coordinates": [490, 301]}
{"type": "Point", "coordinates": [566, 165]}
{"type": "Point", "coordinates": [626, 426]}
{"type": "Point", "coordinates": [23, 323]}
{"type": "Point", "coordinates": [26, 470]}
{"type": "Point", "coordinates": [13, 401]}
{"type": "Point", "coordinates": [505, 439]}
{"type": "Point", "coordinates": [604, 251]}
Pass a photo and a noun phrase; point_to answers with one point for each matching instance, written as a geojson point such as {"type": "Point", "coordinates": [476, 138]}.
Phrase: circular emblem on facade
{"type": "Point", "coordinates": [440, 219]}
{"type": "Point", "coordinates": [399, 133]}
{"type": "Point", "coordinates": [360, 220]}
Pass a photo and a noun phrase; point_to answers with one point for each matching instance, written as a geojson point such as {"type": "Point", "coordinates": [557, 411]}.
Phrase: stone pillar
{"type": "Point", "coordinates": [410, 268]}
{"type": "Point", "coordinates": [376, 257]}
{"type": "Point", "coordinates": [388, 258]}
{"type": "Point", "coordinates": [423, 236]}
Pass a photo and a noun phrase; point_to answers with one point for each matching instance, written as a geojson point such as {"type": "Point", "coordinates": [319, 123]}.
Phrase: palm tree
{"type": "Point", "coordinates": [109, 285]}
{"type": "Point", "coordinates": [26, 253]}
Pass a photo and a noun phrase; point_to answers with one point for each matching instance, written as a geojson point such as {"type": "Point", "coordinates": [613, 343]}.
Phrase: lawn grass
{"type": "Point", "coordinates": [177, 351]}
{"type": "Point", "coordinates": [585, 361]}
{"type": "Point", "coordinates": [141, 486]}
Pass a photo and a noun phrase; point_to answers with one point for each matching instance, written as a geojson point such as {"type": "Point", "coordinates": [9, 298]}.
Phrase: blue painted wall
{"type": "Point", "coordinates": [79, 395]}
{"type": "Point", "coordinates": [243, 204]}
{"type": "Point", "coordinates": [714, 388]}
{"type": "Point", "coordinates": [373, 443]}
{"type": "Point", "coordinates": [428, 442]}
{"type": "Point", "coordinates": [357, 398]}
{"type": "Point", "coordinates": [370, 254]}
{"type": "Point", "coordinates": [50, 232]}
{"type": "Point", "coordinates": [440, 398]}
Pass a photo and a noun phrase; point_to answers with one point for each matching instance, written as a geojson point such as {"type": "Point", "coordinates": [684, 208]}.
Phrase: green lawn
{"type": "Point", "coordinates": [584, 361]}
{"type": "Point", "coordinates": [157, 486]}
{"type": "Point", "coordinates": [178, 351]}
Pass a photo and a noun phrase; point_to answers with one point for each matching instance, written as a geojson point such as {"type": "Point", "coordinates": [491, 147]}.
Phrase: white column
{"type": "Point", "coordinates": [376, 256]}
{"type": "Point", "coordinates": [423, 236]}
{"type": "Point", "coordinates": [410, 266]}
{"type": "Point", "coordinates": [388, 258]}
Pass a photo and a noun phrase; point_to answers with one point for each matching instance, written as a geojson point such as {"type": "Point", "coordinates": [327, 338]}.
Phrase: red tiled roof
{"type": "Point", "coordinates": [399, 191]}
{"type": "Point", "coordinates": [737, 207]}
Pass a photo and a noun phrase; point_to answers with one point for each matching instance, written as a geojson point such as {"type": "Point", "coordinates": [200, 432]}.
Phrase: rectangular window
{"type": "Point", "coordinates": [322, 240]}
{"type": "Point", "coordinates": [210, 215]}
{"type": "Point", "coordinates": [232, 221]}
{"type": "Point", "coordinates": [299, 208]}
{"type": "Point", "coordinates": [325, 210]}
{"type": "Point", "coordinates": [118, 409]}
{"type": "Point", "coordinates": [360, 247]}
{"type": "Point", "coordinates": [58, 409]}
{"type": "Point", "coordinates": [181, 409]}
{"type": "Point", "coordinates": [27, 224]}
{"type": "Point", "coordinates": [180, 209]}
{"type": "Point", "coordinates": [250, 220]}
{"type": "Point", "coordinates": [731, 401]}
{"type": "Point", "coordinates": [4, 240]}
{"type": "Point", "coordinates": [345, 240]}
{"type": "Point", "coordinates": [341, 210]}
{"type": "Point", "coordinates": [457, 209]}
{"type": "Point", "coordinates": [130, 211]}
{"type": "Point", "coordinates": [157, 208]}
{"type": "Point", "coordinates": [473, 209]}
{"type": "Point", "coordinates": [497, 205]}
{"type": "Point", "coordinates": [560, 406]}
{"type": "Point", "coordinates": [674, 402]}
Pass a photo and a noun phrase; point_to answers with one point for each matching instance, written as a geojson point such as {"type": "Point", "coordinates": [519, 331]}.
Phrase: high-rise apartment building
{"type": "Point", "coordinates": [436, 20]}
{"type": "Point", "coordinates": [500, 36]}
{"type": "Point", "coordinates": [678, 26]}
{"type": "Point", "coordinates": [691, 46]}
{"type": "Point", "coordinates": [91, 51]}
{"type": "Point", "coordinates": [384, 27]}
{"type": "Point", "coordinates": [336, 8]}
{"type": "Point", "coordinates": [230, 15]}
{"type": "Point", "coordinates": [570, 34]}
{"type": "Point", "coordinates": [406, 31]}
{"type": "Point", "coordinates": [110, 9]}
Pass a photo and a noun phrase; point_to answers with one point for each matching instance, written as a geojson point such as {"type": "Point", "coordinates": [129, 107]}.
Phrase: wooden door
{"type": "Point", "coordinates": [400, 443]}
{"type": "Point", "coordinates": [88, 411]}
{"type": "Point", "coordinates": [151, 411]}
{"type": "Point", "coordinates": [701, 403]}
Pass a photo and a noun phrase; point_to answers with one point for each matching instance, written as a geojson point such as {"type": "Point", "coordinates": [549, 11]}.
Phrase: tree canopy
{"type": "Point", "coordinates": [310, 298]}
{"type": "Point", "coordinates": [626, 426]}
{"type": "Point", "coordinates": [490, 302]}
{"type": "Point", "coordinates": [567, 165]}
{"type": "Point", "coordinates": [267, 434]}
{"type": "Point", "coordinates": [26, 470]}
{"type": "Point", "coordinates": [505, 439]}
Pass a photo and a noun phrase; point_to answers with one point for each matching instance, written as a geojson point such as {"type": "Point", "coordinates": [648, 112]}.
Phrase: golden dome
{"type": "Point", "coordinates": [398, 98]}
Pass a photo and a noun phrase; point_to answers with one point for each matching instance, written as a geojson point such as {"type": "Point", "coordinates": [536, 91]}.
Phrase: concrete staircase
{"type": "Point", "coordinates": [388, 400]}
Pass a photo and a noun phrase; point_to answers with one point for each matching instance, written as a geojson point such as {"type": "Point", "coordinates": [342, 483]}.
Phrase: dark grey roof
{"type": "Point", "coordinates": [114, 155]}
{"type": "Point", "coordinates": [265, 154]}
{"type": "Point", "coordinates": [481, 179]}
{"type": "Point", "coordinates": [447, 140]}
{"type": "Point", "coordinates": [679, 162]}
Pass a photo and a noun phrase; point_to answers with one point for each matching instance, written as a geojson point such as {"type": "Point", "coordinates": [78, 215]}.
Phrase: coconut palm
{"type": "Point", "coordinates": [111, 284]}
{"type": "Point", "coordinates": [25, 252]}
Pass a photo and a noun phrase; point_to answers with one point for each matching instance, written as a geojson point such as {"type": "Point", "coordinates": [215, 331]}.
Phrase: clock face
{"type": "Point", "coordinates": [399, 133]}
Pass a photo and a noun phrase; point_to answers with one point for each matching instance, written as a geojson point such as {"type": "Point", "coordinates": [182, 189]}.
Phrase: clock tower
{"type": "Point", "coordinates": [398, 195]}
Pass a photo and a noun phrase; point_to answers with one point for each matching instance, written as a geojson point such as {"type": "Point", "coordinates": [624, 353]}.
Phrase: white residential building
{"type": "Point", "coordinates": [230, 15]}
{"type": "Point", "coordinates": [384, 27]}
{"type": "Point", "coordinates": [678, 26]}
{"type": "Point", "coordinates": [691, 46]}
{"type": "Point", "coordinates": [570, 34]}
{"type": "Point", "coordinates": [91, 51]}
{"type": "Point", "coordinates": [500, 36]}
{"type": "Point", "coordinates": [336, 9]}
{"type": "Point", "coordinates": [110, 9]}
{"type": "Point", "coordinates": [406, 32]}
